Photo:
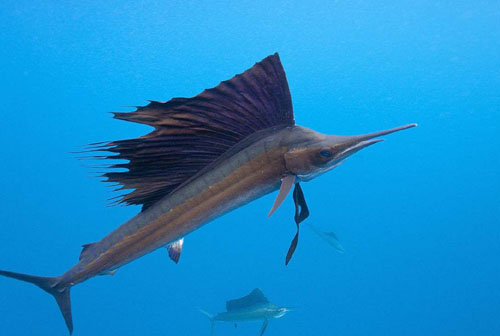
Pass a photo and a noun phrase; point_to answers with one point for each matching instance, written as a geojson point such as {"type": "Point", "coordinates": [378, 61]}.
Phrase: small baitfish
{"type": "Point", "coordinates": [206, 156]}
{"type": "Point", "coordinates": [252, 307]}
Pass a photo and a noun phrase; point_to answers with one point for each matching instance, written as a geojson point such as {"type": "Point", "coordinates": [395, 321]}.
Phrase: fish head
{"type": "Point", "coordinates": [281, 311]}
{"type": "Point", "coordinates": [313, 153]}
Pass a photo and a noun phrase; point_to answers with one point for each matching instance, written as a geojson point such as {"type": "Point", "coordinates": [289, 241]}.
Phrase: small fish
{"type": "Point", "coordinates": [206, 156]}
{"type": "Point", "coordinates": [329, 237]}
{"type": "Point", "coordinates": [252, 307]}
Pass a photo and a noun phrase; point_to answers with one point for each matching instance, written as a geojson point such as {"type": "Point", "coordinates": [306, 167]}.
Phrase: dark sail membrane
{"type": "Point", "coordinates": [191, 133]}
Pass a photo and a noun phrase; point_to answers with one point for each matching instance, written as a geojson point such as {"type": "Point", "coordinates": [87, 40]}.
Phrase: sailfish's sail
{"type": "Point", "coordinates": [191, 133]}
{"type": "Point", "coordinates": [255, 297]}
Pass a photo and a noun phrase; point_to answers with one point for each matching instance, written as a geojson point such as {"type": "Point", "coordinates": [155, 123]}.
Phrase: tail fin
{"type": "Point", "coordinates": [211, 318]}
{"type": "Point", "coordinates": [50, 286]}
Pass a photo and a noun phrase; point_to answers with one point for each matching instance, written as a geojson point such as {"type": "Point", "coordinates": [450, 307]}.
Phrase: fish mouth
{"type": "Point", "coordinates": [283, 310]}
{"type": "Point", "coordinates": [357, 147]}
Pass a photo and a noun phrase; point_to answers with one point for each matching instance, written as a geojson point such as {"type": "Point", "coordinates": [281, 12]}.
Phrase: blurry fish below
{"type": "Point", "coordinates": [252, 307]}
{"type": "Point", "coordinates": [327, 236]}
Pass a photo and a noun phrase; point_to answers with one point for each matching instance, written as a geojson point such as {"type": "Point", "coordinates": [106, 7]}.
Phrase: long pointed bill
{"type": "Point", "coordinates": [358, 142]}
{"type": "Point", "coordinates": [340, 147]}
{"type": "Point", "coordinates": [381, 133]}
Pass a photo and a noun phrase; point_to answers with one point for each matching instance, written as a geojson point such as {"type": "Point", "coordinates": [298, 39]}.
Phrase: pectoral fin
{"type": "Point", "coordinates": [175, 249]}
{"type": "Point", "coordinates": [286, 185]}
{"type": "Point", "coordinates": [301, 213]}
{"type": "Point", "coordinates": [264, 327]}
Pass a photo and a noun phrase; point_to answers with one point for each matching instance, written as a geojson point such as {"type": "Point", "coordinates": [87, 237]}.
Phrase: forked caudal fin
{"type": "Point", "coordinates": [49, 285]}
{"type": "Point", "coordinates": [211, 318]}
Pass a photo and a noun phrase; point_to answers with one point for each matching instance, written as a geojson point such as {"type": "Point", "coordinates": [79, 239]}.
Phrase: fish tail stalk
{"type": "Point", "coordinates": [50, 285]}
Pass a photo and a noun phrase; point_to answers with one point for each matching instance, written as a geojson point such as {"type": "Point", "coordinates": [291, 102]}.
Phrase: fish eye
{"type": "Point", "coordinates": [325, 153]}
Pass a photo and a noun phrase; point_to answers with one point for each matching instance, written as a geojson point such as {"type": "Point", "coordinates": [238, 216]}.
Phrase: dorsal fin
{"type": "Point", "coordinates": [191, 133]}
{"type": "Point", "coordinates": [85, 250]}
{"type": "Point", "coordinates": [255, 297]}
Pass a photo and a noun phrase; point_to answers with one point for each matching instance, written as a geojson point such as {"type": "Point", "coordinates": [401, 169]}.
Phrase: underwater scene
{"type": "Point", "coordinates": [269, 168]}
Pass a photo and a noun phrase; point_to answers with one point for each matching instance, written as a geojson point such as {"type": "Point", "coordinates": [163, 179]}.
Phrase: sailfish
{"type": "Point", "coordinates": [251, 307]}
{"type": "Point", "coordinates": [206, 155]}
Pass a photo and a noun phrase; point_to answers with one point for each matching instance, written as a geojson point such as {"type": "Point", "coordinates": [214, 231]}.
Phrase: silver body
{"type": "Point", "coordinates": [257, 312]}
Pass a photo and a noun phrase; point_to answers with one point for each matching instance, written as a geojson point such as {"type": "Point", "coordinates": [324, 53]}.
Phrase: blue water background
{"type": "Point", "coordinates": [418, 214]}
